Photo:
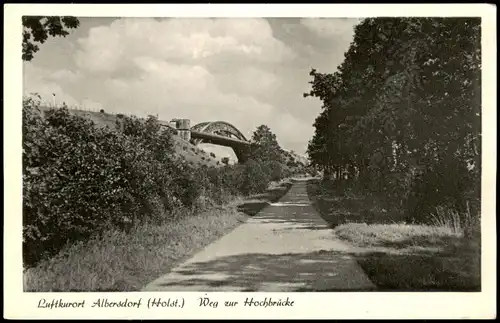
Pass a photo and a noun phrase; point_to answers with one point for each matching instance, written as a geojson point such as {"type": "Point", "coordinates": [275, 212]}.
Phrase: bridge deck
{"type": "Point", "coordinates": [218, 140]}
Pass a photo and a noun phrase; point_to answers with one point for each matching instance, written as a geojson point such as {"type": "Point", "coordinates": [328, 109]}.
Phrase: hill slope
{"type": "Point", "coordinates": [295, 158]}
{"type": "Point", "coordinates": [184, 149]}
{"type": "Point", "coordinates": [191, 153]}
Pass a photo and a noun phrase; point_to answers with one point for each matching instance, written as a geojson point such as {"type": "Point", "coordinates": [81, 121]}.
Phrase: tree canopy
{"type": "Point", "coordinates": [37, 29]}
{"type": "Point", "coordinates": [265, 146]}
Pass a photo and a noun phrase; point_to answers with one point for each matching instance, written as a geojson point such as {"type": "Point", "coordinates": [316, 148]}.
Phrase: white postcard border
{"type": "Point", "coordinates": [374, 305]}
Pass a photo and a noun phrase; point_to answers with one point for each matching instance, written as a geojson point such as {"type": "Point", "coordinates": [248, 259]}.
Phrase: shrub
{"type": "Point", "coordinates": [448, 185]}
{"type": "Point", "coordinates": [79, 179]}
{"type": "Point", "coordinates": [187, 186]}
{"type": "Point", "coordinates": [274, 170]}
{"type": "Point", "coordinates": [255, 178]}
{"type": "Point", "coordinates": [69, 185]}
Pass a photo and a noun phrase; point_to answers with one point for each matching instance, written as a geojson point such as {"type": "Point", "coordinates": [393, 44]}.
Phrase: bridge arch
{"type": "Point", "coordinates": [236, 139]}
{"type": "Point", "coordinates": [218, 127]}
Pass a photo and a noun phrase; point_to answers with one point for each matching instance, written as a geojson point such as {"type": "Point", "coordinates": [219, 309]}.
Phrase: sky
{"type": "Point", "coordinates": [245, 71]}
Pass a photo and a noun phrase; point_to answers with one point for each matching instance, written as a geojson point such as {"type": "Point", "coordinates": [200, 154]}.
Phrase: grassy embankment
{"type": "Point", "coordinates": [194, 155]}
{"type": "Point", "coordinates": [397, 256]}
{"type": "Point", "coordinates": [119, 261]}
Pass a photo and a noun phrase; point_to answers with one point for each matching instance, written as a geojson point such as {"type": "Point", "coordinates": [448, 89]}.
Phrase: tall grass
{"type": "Point", "coordinates": [464, 223]}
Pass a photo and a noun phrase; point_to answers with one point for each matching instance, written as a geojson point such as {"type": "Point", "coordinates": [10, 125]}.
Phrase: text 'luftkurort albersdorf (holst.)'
{"type": "Point", "coordinates": [164, 302]}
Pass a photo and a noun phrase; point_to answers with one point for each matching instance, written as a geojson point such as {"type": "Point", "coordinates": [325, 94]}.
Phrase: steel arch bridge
{"type": "Point", "coordinates": [221, 133]}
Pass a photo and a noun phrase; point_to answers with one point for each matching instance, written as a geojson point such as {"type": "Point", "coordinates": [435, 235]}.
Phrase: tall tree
{"type": "Point", "coordinates": [37, 29]}
{"type": "Point", "coordinates": [265, 146]}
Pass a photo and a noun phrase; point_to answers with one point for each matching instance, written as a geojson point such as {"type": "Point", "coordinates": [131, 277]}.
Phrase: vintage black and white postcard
{"type": "Point", "coordinates": [250, 161]}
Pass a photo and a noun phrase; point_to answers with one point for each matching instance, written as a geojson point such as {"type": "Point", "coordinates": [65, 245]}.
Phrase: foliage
{"type": "Point", "coordinates": [265, 147]}
{"type": "Point", "coordinates": [80, 179]}
{"type": "Point", "coordinates": [37, 29]}
{"type": "Point", "coordinates": [255, 178]}
{"type": "Point", "coordinates": [402, 112]}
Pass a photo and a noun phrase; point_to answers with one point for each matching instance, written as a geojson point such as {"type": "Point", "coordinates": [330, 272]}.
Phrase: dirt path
{"type": "Point", "coordinates": [286, 247]}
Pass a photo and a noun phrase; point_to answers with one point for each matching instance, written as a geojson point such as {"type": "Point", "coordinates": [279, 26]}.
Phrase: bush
{"type": "Point", "coordinates": [274, 169]}
{"type": "Point", "coordinates": [447, 185]}
{"type": "Point", "coordinates": [79, 179]}
{"type": "Point", "coordinates": [65, 194]}
{"type": "Point", "coordinates": [256, 178]}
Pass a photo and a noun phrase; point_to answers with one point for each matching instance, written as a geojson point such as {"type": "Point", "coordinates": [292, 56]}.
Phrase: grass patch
{"type": "Point", "coordinates": [397, 256]}
{"type": "Point", "coordinates": [393, 235]}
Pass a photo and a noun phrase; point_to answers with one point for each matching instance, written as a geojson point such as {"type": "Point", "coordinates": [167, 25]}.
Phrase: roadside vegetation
{"type": "Point", "coordinates": [111, 208]}
{"type": "Point", "coordinates": [399, 143]}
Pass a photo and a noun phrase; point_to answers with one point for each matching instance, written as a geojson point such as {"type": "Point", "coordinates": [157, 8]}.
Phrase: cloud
{"type": "Point", "coordinates": [41, 81]}
{"type": "Point", "coordinates": [248, 80]}
{"type": "Point", "coordinates": [110, 48]}
{"type": "Point", "coordinates": [331, 27]}
{"type": "Point", "coordinates": [292, 131]}
{"type": "Point", "coordinates": [65, 76]}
